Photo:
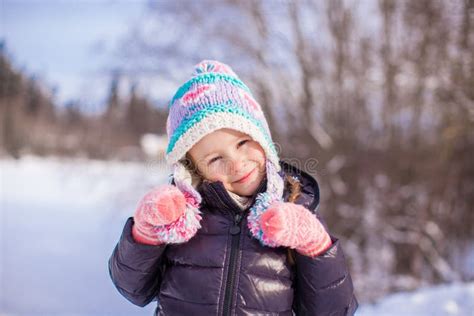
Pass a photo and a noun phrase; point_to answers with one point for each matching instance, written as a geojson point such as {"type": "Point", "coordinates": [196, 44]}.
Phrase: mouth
{"type": "Point", "coordinates": [246, 177]}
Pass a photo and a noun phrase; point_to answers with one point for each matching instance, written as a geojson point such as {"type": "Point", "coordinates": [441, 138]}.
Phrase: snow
{"type": "Point", "coordinates": [154, 145]}
{"type": "Point", "coordinates": [452, 299]}
{"type": "Point", "coordinates": [60, 220]}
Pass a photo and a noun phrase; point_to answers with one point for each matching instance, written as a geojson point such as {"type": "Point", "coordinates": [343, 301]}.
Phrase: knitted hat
{"type": "Point", "coordinates": [214, 98]}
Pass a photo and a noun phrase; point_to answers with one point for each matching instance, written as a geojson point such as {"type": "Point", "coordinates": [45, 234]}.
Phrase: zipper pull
{"type": "Point", "coordinates": [235, 229]}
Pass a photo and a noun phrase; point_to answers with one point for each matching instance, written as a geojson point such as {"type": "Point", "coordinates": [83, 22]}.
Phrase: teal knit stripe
{"type": "Point", "coordinates": [187, 123]}
{"type": "Point", "coordinates": [206, 79]}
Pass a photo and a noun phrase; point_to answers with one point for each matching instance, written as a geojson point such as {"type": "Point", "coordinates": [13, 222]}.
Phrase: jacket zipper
{"type": "Point", "coordinates": [235, 231]}
{"type": "Point", "coordinates": [234, 248]}
{"type": "Point", "coordinates": [235, 245]}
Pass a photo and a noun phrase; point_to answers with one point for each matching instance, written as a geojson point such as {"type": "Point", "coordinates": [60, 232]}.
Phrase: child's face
{"type": "Point", "coordinates": [232, 157]}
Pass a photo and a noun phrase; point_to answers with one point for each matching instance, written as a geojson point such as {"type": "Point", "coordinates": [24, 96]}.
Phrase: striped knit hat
{"type": "Point", "coordinates": [214, 98]}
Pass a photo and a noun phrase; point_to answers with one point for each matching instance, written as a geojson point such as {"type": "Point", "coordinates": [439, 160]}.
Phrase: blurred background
{"type": "Point", "coordinates": [375, 99]}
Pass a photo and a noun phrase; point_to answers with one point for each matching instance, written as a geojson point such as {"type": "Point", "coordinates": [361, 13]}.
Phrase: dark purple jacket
{"type": "Point", "coordinates": [222, 270]}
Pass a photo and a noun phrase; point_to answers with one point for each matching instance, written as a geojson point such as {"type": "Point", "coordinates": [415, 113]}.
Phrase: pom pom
{"type": "Point", "coordinates": [181, 230]}
{"type": "Point", "coordinates": [212, 66]}
{"type": "Point", "coordinates": [272, 222]}
{"type": "Point", "coordinates": [163, 205]}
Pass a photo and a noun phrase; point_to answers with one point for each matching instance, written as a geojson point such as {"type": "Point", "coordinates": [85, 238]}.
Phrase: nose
{"type": "Point", "coordinates": [236, 165]}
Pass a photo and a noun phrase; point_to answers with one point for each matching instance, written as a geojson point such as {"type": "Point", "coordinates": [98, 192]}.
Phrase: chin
{"type": "Point", "coordinates": [247, 189]}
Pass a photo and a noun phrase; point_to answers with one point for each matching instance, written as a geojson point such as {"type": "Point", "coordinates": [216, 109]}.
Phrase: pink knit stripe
{"type": "Point", "coordinates": [194, 94]}
{"type": "Point", "coordinates": [317, 247]}
{"type": "Point", "coordinates": [293, 222]}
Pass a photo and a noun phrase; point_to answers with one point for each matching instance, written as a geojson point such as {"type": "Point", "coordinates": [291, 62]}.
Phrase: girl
{"type": "Point", "coordinates": [236, 232]}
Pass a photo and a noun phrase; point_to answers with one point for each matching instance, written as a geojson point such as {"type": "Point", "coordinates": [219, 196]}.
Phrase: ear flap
{"type": "Point", "coordinates": [183, 179]}
{"type": "Point", "coordinates": [274, 193]}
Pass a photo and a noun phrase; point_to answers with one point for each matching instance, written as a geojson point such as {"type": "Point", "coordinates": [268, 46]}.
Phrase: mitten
{"type": "Point", "coordinates": [293, 225]}
{"type": "Point", "coordinates": [165, 215]}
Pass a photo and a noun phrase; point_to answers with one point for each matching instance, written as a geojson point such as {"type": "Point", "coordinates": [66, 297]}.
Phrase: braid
{"type": "Point", "coordinates": [295, 191]}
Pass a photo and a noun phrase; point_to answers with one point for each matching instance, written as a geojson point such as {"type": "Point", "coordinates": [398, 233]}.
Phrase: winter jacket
{"type": "Point", "coordinates": [223, 270]}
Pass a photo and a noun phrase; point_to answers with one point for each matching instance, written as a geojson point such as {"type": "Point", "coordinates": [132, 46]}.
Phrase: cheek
{"type": "Point", "coordinates": [215, 172]}
{"type": "Point", "coordinates": [257, 154]}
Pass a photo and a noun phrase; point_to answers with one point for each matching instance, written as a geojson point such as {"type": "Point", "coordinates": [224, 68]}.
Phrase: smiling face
{"type": "Point", "coordinates": [231, 157]}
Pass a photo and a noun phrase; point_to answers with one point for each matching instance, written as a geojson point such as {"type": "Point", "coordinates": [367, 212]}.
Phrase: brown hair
{"type": "Point", "coordinates": [295, 191]}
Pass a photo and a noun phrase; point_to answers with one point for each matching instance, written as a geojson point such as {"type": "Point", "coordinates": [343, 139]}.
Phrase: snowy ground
{"type": "Point", "coordinates": [59, 221]}
{"type": "Point", "coordinates": [454, 299]}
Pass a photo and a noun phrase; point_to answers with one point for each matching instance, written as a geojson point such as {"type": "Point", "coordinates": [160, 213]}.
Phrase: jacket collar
{"type": "Point", "coordinates": [215, 195]}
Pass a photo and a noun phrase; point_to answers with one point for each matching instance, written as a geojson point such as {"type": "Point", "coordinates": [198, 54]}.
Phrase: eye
{"type": "Point", "coordinates": [243, 142]}
{"type": "Point", "coordinates": [214, 159]}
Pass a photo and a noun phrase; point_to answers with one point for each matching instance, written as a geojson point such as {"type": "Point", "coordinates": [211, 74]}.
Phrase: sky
{"type": "Point", "coordinates": [67, 44]}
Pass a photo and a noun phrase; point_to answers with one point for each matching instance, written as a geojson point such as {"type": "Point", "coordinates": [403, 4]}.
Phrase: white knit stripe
{"type": "Point", "coordinates": [214, 122]}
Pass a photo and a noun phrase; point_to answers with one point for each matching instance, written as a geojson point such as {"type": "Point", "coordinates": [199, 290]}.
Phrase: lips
{"type": "Point", "coordinates": [245, 177]}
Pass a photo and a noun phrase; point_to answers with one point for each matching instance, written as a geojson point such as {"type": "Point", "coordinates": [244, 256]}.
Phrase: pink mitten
{"type": "Point", "coordinates": [160, 217]}
{"type": "Point", "coordinates": [292, 225]}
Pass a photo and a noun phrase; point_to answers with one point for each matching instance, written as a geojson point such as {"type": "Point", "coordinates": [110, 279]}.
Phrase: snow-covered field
{"type": "Point", "coordinates": [453, 299]}
{"type": "Point", "coordinates": [59, 222]}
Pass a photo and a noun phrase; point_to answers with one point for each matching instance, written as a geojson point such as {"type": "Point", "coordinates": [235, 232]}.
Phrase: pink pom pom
{"type": "Point", "coordinates": [271, 221]}
{"type": "Point", "coordinates": [191, 200]}
{"type": "Point", "coordinates": [166, 215]}
{"type": "Point", "coordinates": [162, 205]}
